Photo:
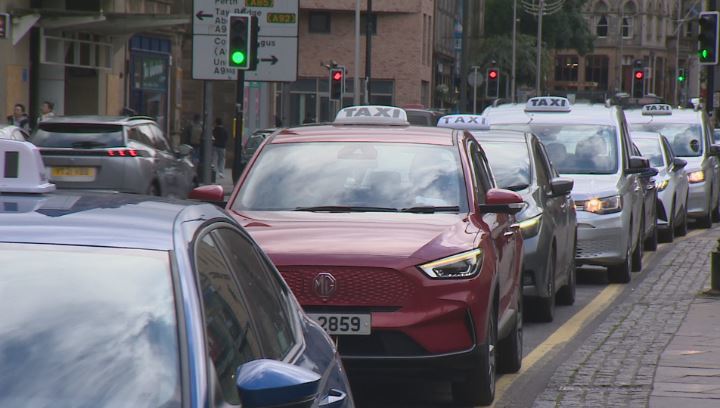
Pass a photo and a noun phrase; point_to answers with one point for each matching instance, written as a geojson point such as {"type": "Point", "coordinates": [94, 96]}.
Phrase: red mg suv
{"type": "Point", "coordinates": [396, 240]}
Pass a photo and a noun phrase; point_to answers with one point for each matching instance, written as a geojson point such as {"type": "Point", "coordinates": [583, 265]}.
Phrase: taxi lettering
{"type": "Point", "coordinates": [548, 102]}
{"type": "Point", "coordinates": [383, 112]}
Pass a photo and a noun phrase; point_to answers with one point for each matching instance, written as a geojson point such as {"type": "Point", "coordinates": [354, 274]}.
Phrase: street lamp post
{"type": "Point", "coordinates": [514, 46]}
{"type": "Point", "coordinates": [475, 87]}
{"type": "Point", "coordinates": [540, 8]}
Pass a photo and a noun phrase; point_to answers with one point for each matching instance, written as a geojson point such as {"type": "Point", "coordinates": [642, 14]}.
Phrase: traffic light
{"type": "Point", "coordinates": [242, 42]}
{"type": "Point", "coordinates": [638, 82]}
{"type": "Point", "coordinates": [681, 75]}
{"type": "Point", "coordinates": [337, 83]}
{"type": "Point", "coordinates": [492, 83]}
{"type": "Point", "coordinates": [708, 37]}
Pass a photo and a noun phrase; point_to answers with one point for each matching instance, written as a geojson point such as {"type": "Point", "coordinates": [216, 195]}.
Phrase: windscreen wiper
{"type": "Point", "coordinates": [428, 209]}
{"type": "Point", "coordinates": [345, 208]}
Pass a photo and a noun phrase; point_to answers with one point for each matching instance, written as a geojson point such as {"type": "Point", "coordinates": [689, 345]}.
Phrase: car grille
{"type": "Point", "coordinates": [595, 248]}
{"type": "Point", "coordinates": [353, 286]}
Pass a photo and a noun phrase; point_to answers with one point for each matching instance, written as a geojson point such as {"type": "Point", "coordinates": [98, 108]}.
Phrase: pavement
{"type": "Point", "coordinates": [658, 347]}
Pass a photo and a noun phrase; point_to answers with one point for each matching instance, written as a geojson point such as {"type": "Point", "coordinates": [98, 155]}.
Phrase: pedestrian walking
{"type": "Point", "coordinates": [48, 111]}
{"type": "Point", "coordinates": [220, 137]}
{"type": "Point", "coordinates": [196, 131]}
{"type": "Point", "coordinates": [19, 118]}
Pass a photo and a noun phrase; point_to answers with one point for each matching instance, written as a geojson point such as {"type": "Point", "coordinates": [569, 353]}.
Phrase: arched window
{"type": "Point", "coordinates": [601, 28]}
{"type": "Point", "coordinates": [628, 14]}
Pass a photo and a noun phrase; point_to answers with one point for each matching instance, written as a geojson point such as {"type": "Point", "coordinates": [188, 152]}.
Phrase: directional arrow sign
{"type": "Point", "coordinates": [272, 60]}
{"type": "Point", "coordinates": [278, 60]}
{"type": "Point", "coordinates": [201, 15]}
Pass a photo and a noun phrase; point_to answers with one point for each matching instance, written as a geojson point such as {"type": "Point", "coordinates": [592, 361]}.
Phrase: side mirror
{"type": "Point", "coordinates": [502, 201]}
{"type": "Point", "coordinates": [679, 163]}
{"type": "Point", "coordinates": [184, 150]}
{"type": "Point", "coordinates": [714, 150]}
{"type": "Point", "coordinates": [270, 383]}
{"type": "Point", "coordinates": [637, 165]}
{"type": "Point", "coordinates": [650, 172]}
{"type": "Point", "coordinates": [561, 186]}
{"type": "Point", "coordinates": [213, 194]}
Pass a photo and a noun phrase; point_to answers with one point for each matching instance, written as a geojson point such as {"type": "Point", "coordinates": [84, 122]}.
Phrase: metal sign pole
{"type": "Point", "coordinates": [239, 111]}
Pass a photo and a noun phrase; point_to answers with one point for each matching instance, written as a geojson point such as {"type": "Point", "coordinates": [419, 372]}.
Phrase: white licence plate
{"type": "Point", "coordinates": [343, 323]}
{"type": "Point", "coordinates": [72, 173]}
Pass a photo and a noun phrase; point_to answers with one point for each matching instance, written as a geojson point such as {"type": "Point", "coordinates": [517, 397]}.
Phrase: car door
{"type": "Point", "coordinates": [647, 183]}
{"type": "Point", "coordinates": [678, 180]}
{"type": "Point", "coordinates": [180, 171]}
{"type": "Point", "coordinates": [631, 187]}
{"type": "Point", "coordinates": [503, 234]}
{"type": "Point", "coordinates": [556, 210]}
{"type": "Point", "coordinates": [714, 162]}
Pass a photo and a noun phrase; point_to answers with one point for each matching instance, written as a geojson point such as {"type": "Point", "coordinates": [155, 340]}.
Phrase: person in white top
{"type": "Point", "coordinates": [46, 108]}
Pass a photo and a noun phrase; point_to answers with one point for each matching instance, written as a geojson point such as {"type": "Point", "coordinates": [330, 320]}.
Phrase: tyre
{"type": "Point", "coordinates": [510, 349]}
{"type": "Point", "coordinates": [637, 254]}
{"type": "Point", "coordinates": [651, 242]}
{"type": "Point", "coordinates": [620, 273]}
{"type": "Point", "coordinates": [545, 309]}
{"type": "Point", "coordinates": [566, 294]}
{"type": "Point", "coordinates": [478, 386]}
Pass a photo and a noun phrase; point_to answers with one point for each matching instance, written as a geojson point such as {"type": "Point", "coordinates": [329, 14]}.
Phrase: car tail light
{"type": "Point", "coordinates": [127, 153]}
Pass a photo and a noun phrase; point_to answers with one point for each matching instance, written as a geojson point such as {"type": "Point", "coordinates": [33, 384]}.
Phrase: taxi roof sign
{"type": "Point", "coordinates": [657, 109]}
{"type": "Point", "coordinates": [372, 115]}
{"type": "Point", "coordinates": [22, 169]}
{"type": "Point", "coordinates": [548, 104]}
{"type": "Point", "coordinates": [466, 122]}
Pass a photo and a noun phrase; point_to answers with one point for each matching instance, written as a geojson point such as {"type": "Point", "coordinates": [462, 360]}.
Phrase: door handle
{"type": "Point", "coordinates": [509, 234]}
{"type": "Point", "coordinates": [334, 399]}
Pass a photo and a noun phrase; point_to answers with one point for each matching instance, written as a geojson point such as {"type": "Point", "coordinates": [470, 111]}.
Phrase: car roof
{"type": "Point", "coordinates": [98, 119]}
{"type": "Point", "coordinates": [96, 219]}
{"type": "Point", "coordinates": [580, 114]}
{"type": "Point", "coordinates": [366, 133]}
{"type": "Point", "coordinates": [497, 135]}
{"type": "Point", "coordinates": [684, 116]}
{"type": "Point", "coordinates": [644, 135]}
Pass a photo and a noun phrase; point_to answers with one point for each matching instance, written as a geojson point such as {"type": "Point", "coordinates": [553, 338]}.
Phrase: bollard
{"type": "Point", "coordinates": [715, 269]}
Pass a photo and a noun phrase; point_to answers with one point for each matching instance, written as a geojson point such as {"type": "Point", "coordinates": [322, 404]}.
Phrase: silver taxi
{"type": "Point", "coordinates": [591, 144]}
{"type": "Point", "coordinates": [690, 135]}
{"type": "Point", "coordinates": [671, 183]}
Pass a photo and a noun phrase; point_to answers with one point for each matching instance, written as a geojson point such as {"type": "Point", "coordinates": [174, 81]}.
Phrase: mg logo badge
{"type": "Point", "coordinates": [324, 285]}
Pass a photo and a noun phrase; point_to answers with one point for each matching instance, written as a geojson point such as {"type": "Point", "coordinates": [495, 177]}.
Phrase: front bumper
{"type": "Point", "coordinates": [601, 239]}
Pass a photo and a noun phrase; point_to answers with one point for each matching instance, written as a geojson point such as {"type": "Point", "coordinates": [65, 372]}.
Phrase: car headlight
{"type": "Point", "coordinates": [605, 205]}
{"type": "Point", "coordinates": [463, 265]}
{"type": "Point", "coordinates": [531, 226]}
{"type": "Point", "coordinates": [661, 185]}
{"type": "Point", "coordinates": [696, 176]}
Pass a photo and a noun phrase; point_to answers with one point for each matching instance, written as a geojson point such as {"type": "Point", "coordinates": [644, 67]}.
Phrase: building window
{"type": "Point", "coordinates": [627, 27]}
{"type": "Point", "coordinates": [596, 70]}
{"type": "Point", "coordinates": [319, 22]}
{"type": "Point", "coordinates": [601, 29]}
{"type": "Point", "coordinates": [566, 68]}
{"type": "Point", "coordinates": [363, 24]}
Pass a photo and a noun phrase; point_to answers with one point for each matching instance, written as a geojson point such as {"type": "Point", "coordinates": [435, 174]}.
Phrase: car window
{"type": "Point", "coordinates": [255, 141]}
{"type": "Point", "coordinates": [716, 136]}
{"type": "Point", "coordinates": [545, 170]}
{"type": "Point", "coordinates": [288, 176]}
{"type": "Point", "coordinates": [685, 139]}
{"type": "Point", "coordinates": [87, 327]}
{"type": "Point", "coordinates": [158, 139]}
{"type": "Point", "coordinates": [421, 118]}
{"type": "Point", "coordinates": [651, 149]}
{"type": "Point", "coordinates": [266, 296]}
{"type": "Point", "coordinates": [136, 134]}
{"type": "Point", "coordinates": [146, 136]}
{"type": "Point", "coordinates": [78, 135]}
{"type": "Point", "coordinates": [231, 338]}
{"type": "Point", "coordinates": [481, 171]}
{"type": "Point", "coordinates": [510, 163]}
{"type": "Point", "coordinates": [578, 149]}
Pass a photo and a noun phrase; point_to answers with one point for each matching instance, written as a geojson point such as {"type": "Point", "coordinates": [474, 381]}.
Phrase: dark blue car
{"type": "Point", "coordinates": [115, 300]}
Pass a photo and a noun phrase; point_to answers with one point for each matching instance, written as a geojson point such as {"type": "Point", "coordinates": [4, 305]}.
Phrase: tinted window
{"type": "Point", "coordinates": [158, 139]}
{"type": "Point", "coordinates": [87, 327]}
{"type": "Point", "coordinates": [421, 118]}
{"type": "Point", "coordinates": [359, 174]}
{"type": "Point", "coordinates": [480, 171]}
{"type": "Point", "coordinates": [255, 141]}
{"type": "Point", "coordinates": [510, 163]}
{"type": "Point", "coordinates": [651, 149]}
{"type": "Point", "coordinates": [577, 149]}
{"type": "Point", "coordinates": [137, 135]}
{"type": "Point", "coordinates": [230, 336]}
{"type": "Point", "coordinates": [685, 139]}
{"type": "Point", "coordinates": [266, 297]}
{"type": "Point", "coordinates": [80, 136]}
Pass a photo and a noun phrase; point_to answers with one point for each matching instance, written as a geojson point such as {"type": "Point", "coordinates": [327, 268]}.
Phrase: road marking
{"type": "Point", "coordinates": [562, 335]}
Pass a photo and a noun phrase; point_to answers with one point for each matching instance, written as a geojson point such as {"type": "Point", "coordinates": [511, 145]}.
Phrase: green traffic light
{"type": "Point", "coordinates": [237, 57]}
{"type": "Point", "coordinates": [681, 78]}
{"type": "Point", "coordinates": [704, 53]}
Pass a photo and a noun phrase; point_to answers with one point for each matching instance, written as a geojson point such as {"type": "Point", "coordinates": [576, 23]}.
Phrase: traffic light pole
{"type": "Point", "coordinates": [239, 111]}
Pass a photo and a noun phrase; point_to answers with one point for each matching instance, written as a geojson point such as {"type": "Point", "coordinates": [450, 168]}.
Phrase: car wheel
{"type": "Point", "coordinates": [637, 254]}
{"type": "Point", "coordinates": [620, 273]}
{"type": "Point", "coordinates": [478, 386]}
{"type": "Point", "coordinates": [510, 348]}
{"type": "Point", "coordinates": [651, 242]}
{"type": "Point", "coordinates": [682, 229]}
{"type": "Point", "coordinates": [566, 294]}
{"type": "Point", "coordinates": [668, 234]}
{"type": "Point", "coordinates": [546, 305]}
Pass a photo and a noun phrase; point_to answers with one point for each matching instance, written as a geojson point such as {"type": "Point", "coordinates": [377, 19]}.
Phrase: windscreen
{"type": "Point", "coordinates": [510, 163]}
{"type": "Point", "coordinates": [651, 149]}
{"type": "Point", "coordinates": [87, 327]}
{"type": "Point", "coordinates": [576, 149]}
{"type": "Point", "coordinates": [292, 176]}
{"type": "Point", "coordinates": [685, 139]}
{"type": "Point", "coordinates": [78, 136]}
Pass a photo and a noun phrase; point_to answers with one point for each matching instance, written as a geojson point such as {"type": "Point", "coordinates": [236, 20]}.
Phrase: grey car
{"type": "Point", "coordinates": [114, 153]}
{"type": "Point", "coordinates": [13, 133]}
{"type": "Point", "coordinates": [253, 142]}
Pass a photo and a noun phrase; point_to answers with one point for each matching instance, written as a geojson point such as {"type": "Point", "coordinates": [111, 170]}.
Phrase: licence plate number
{"type": "Point", "coordinates": [73, 173]}
{"type": "Point", "coordinates": [340, 323]}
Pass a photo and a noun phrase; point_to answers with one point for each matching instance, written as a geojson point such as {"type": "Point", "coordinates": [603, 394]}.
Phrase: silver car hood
{"type": "Point", "coordinates": [589, 186]}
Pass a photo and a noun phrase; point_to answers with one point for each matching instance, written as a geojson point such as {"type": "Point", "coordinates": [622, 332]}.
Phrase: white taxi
{"type": "Point", "coordinates": [690, 136]}
{"type": "Point", "coordinates": [591, 144]}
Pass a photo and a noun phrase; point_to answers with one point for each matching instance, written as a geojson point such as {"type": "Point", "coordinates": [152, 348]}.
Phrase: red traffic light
{"type": "Point", "coordinates": [639, 74]}
{"type": "Point", "coordinates": [492, 74]}
{"type": "Point", "coordinates": [337, 75]}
